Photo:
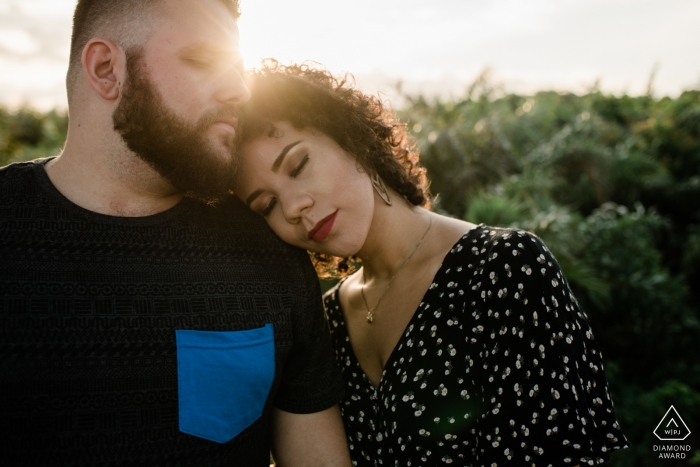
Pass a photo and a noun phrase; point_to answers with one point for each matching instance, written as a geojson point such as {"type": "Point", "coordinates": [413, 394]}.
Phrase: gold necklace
{"type": "Point", "coordinates": [370, 312]}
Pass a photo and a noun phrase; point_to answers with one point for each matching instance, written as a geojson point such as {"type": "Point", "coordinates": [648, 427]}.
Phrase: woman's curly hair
{"type": "Point", "coordinates": [312, 98]}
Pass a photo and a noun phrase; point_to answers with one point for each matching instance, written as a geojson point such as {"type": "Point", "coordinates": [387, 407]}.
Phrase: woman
{"type": "Point", "coordinates": [459, 343]}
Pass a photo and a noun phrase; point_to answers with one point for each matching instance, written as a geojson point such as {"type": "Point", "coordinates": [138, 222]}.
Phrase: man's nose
{"type": "Point", "coordinates": [232, 88]}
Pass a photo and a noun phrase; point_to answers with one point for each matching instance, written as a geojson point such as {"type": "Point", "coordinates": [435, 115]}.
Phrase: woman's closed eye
{"type": "Point", "coordinates": [293, 174]}
{"type": "Point", "coordinates": [271, 204]}
{"type": "Point", "coordinates": [299, 166]}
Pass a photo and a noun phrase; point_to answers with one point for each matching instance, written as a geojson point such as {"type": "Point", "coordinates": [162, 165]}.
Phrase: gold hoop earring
{"type": "Point", "coordinates": [380, 188]}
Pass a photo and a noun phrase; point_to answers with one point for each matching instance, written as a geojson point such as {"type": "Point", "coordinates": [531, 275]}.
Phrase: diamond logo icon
{"type": "Point", "coordinates": [672, 427]}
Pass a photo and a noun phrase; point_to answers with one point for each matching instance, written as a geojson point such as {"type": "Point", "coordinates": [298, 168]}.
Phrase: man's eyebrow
{"type": "Point", "coordinates": [252, 197]}
{"type": "Point", "coordinates": [209, 48]}
{"type": "Point", "coordinates": [280, 158]}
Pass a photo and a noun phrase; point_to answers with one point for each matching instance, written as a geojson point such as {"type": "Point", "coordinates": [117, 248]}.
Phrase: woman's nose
{"type": "Point", "coordinates": [294, 208]}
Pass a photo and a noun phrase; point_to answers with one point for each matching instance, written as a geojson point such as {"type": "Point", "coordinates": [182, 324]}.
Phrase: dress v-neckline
{"type": "Point", "coordinates": [408, 325]}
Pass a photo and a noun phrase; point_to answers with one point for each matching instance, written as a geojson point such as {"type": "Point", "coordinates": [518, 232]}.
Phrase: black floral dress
{"type": "Point", "coordinates": [497, 367]}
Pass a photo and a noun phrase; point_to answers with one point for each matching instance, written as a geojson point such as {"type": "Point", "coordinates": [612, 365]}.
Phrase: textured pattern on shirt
{"type": "Point", "coordinates": [89, 305]}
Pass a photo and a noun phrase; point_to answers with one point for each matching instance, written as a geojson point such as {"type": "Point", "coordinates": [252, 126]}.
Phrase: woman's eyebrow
{"type": "Point", "coordinates": [252, 197]}
{"type": "Point", "coordinates": [275, 167]}
{"type": "Point", "coordinates": [278, 162]}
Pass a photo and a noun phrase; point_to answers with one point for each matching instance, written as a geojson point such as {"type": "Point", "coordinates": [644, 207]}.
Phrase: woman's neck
{"type": "Point", "coordinates": [394, 235]}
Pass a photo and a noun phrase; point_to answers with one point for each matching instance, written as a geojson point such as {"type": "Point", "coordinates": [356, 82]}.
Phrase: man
{"type": "Point", "coordinates": [138, 325]}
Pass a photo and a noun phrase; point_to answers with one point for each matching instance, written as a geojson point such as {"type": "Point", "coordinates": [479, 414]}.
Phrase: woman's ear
{"type": "Point", "coordinates": [104, 65]}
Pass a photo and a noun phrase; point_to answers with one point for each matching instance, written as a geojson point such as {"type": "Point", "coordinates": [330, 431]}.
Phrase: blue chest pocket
{"type": "Point", "coordinates": [224, 379]}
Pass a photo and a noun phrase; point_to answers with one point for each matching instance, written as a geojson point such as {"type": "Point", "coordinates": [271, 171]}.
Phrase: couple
{"type": "Point", "coordinates": [150, 318]}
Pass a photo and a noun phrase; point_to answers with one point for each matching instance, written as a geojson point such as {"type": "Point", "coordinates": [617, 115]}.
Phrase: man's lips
{"type": "Point", "coordinates": [228, 123]}
{"type": "Point", "coordinates": [322, 228]}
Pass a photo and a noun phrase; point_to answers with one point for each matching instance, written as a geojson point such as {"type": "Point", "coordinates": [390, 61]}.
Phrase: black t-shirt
{"type": "Point", "coordinates": [497, 367]}
{"type": "Point", "coordinates": [118, 335]}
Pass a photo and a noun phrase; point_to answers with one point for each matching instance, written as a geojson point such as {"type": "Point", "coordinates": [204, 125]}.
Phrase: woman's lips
{"type": "Point", "coordinates": [322, 228]}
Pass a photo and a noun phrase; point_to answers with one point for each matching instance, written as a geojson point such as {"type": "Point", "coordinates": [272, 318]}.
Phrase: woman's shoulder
{"type": "Point", "coordinates": [487, 243]}
{"type": "Point", "coordinates": [331, 294]}
{"type": "Point", "coordinates": [331, 299]}
{"type": "Point", "coordinates": [489, 234]}
{"type": "Point", "coordinates": [486, 253]}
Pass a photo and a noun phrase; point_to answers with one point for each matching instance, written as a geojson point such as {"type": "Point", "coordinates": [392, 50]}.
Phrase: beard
{"type": "Point", "coordinates": [179, 151]}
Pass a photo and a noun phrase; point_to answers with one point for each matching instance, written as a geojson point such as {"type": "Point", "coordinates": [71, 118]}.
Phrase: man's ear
{"type": "Point", "coordinates": [105, 65]}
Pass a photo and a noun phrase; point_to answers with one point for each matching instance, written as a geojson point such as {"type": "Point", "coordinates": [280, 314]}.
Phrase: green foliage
{"type": "Point", "coordinates": [27, 134]}
{"type": "Point", "coordinates": [492, 209]}
{"type": "Point", "coordinates": [612, 186]}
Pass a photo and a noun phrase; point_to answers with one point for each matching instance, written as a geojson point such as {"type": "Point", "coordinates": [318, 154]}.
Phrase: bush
{"type": "Point", "coordinates": [612, 186]}
{"type": "Point", "coordinates": [27, 134]}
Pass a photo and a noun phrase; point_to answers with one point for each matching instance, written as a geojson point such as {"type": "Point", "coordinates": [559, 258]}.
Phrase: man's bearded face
{"type": "Point", "coordinates": [178, 150]}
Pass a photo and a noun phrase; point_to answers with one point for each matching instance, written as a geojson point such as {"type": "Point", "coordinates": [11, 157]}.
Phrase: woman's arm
{"type": "Point", "coordinates": [309, 440]}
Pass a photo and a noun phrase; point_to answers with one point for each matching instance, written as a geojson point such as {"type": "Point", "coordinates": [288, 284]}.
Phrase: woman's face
{"type": "Point", "coordinates": [312, 193]}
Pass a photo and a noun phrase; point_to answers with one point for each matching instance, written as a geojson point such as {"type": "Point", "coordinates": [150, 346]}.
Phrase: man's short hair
{"type": "Point", "coordinates": [120, 21]}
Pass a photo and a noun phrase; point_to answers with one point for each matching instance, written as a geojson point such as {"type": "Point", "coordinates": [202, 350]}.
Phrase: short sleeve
{"type": "Point", "coordinates": [546, 399]}
{"type": "Point", "coordinates": [311, 380]}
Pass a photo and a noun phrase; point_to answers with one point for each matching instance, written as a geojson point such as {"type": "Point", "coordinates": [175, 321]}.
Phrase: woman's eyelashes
{"type": "Point", "coordinates": [268, 208]}
{"type": "Point", "coordinates": [296, 170]}
{"type": "Point", "coordinates": [293, 174]}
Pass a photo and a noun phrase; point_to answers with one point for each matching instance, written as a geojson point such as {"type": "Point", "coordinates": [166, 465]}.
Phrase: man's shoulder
{"type": "Point", "coordinates": [232, 217]}
{"type": "Point", "coordinates": [19, 174]}
{"type": "Point", "coordinates": [229, 214]}
{"type": "Point", "coordinates": [20, 184]}
{"type": "Point", "coordinates": [232, 205]}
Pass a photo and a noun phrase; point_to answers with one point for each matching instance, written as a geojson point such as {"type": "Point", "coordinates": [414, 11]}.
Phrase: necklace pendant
{"type": "Point", "coordinates": [370, 317]}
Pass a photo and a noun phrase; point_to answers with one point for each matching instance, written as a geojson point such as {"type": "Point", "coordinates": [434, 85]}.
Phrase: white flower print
{"type": "Point", "coordinates": [514, 347]}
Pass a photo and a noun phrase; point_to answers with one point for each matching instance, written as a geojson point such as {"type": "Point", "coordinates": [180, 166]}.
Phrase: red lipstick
{"type": "Point", "coordinates": [322, 228]}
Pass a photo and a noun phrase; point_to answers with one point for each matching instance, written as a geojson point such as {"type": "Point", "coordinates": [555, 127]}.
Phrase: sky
{"type": "Point", "coordinates": [436, 47]}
